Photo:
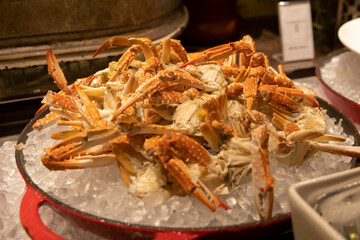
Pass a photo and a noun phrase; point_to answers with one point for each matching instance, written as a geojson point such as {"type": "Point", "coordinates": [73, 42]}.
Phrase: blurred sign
{"type": "Point", "coordinates": [296, 30]}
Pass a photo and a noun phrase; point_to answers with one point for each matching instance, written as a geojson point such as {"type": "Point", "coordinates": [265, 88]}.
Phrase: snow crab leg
{"type": "Point", "coordinates": [298, 145]}
{"type": "Point", "coordinates": [223, 51]}
{"type": "Point", "coordinates": [73, 152]}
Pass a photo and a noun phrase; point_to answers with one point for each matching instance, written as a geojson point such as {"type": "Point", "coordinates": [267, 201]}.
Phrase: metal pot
{"type": "Point", "coordinates": [35, 197]}
{"type": "Point", "coordinates": [75, 29]}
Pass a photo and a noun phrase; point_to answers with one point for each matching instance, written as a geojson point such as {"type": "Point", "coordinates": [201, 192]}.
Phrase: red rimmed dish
{"type": "Point", "coordinates": [111, 229]}
{"type": "Point", "coordinates": [344, 104]}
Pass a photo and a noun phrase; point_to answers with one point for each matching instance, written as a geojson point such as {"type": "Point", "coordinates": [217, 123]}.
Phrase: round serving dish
{"type": "Point", "coordinates": [110, 229]}
{"type": "Point", "coordinates": [344, 104]}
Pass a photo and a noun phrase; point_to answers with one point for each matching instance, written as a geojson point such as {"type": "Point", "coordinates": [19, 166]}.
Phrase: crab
{"type": "Point", "coordinates": [175, 151]}
{"type": "Point", "coordinates": [178, 117]}
{"type": "Point", "coordinates": [299, 140]}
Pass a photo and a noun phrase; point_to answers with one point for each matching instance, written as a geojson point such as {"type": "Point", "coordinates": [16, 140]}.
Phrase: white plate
{"type": "Point", "coordinates": [349, 35]}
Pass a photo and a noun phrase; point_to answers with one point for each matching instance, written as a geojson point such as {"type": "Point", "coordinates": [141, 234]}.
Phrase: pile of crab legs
{"type": "Point", "coordinates": [126, 114]}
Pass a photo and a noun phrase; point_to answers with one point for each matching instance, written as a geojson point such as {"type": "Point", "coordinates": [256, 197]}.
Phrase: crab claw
{"type": "Point", "coordinates": [113, 42]}
{"type": "Point", "coordinates": [144, 43]}
{"type": "Point", "coordinates": [180, 50]}
{"type": "Point", "coordinates": [182, 174]}
{"type": "Point", "coordinates": [211, 136]}
{"type": "Point", "coordinates": [262, 181]}
{"type": "Point", "coordinates": [56, 72]}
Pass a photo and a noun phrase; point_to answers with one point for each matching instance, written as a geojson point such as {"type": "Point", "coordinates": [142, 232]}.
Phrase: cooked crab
{"type": "Point", "coordinates": [186, 121]}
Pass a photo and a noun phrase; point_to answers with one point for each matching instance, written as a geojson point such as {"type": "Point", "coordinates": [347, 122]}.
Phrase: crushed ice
{"type": "Point", "coordinates": [342, 74]}
{"type": "Point", "coordinates": [12, 189]}
{"type": "Point", "coordinates": [101, 192]}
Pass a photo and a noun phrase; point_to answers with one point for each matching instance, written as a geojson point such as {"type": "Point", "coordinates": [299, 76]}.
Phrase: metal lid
{"type": "Point", "coordinates": [159, 20]}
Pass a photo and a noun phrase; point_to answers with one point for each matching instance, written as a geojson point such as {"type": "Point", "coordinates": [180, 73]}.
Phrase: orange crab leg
{"type": "Point", "coordinates": [172, 147]}
{"type": "Point", "coordinates": [137, 45]}
{"type": "Point", "coordinates": [299, 95]}
{"type": "Point", "coordinates": [166, 50]}
{"type": "Point", "coordinates": [231, 71]}
{"type": "Point", "coordinates": [78, 162]}
{"type": "Point", "coordinates": [60, 155]}
{"type": "Point", "coordinates": [112, 42]}
{"type": "Point", "coordinates": [148, 86]}
{"type": "Point", "coordinates": [64, 134]}
{"type": "Point", "coordinates": [55, 100]}
{"type": "Point", "coordinates": [235, 89]}
{"type": "Point", "coordinates": [180, 50]}
{"type": "Point", "coordinates": [44, 106]}
{"type": "Point", "coordinates": [59, 100]}
{"type": "Point", "coordinates": [82, 102]}
{"type": "Point", "coordinates": [179, 76]}
{"type": "Point", "coordinates": [126, 42]}
{"type": "Point", "coordinates": [153, 84]}
{"type": "Point", "coordinates": [283, 124]}
{"type": "Point", "coordinates": [124, 147]}
{"type": "Point", "coordinates": [262, 181]}
{"type": "Point", "coordinates": [286, 98]}
{"type": "Point", "coordinates": [47, 120]}
{"type": "Point", "coordinates": [125, 60]}
{"type": "Point", "coordinates": [144, 43]}
{"type": "Point", "coordinates": [172, 97]}
{"type": "Point", "coordinates": [211, 136]}
{"type": "Point", "coordinates": [143, 128]}
{"type": "Point", "coordinates": [222, 51]}
{"type": "Point", "coordinates": [250, 91]}
{"type": "Point", "coordinates": [351, 151]}
{"type": "Point", "coordinates": [87, 108]}
{"type": "Point", "coordinates": [278, 99]}
{"type": "Point", "coordinates": [182, 174]}
{"type": "Point", "coordinates": [56, 72]}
